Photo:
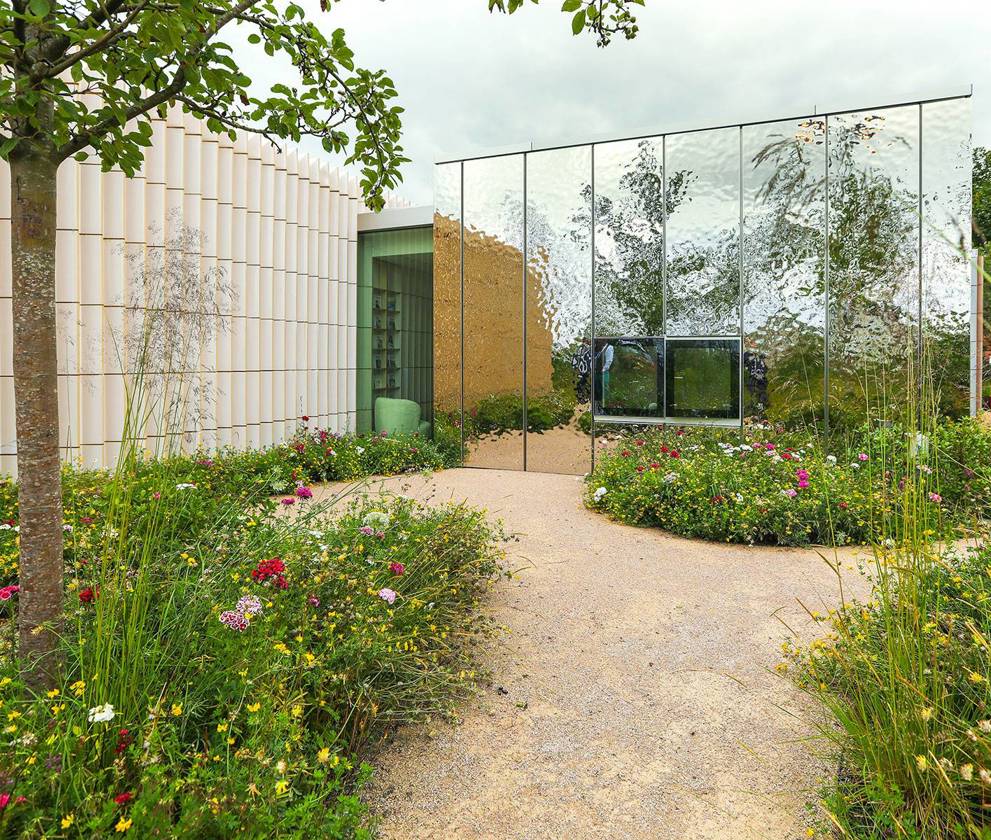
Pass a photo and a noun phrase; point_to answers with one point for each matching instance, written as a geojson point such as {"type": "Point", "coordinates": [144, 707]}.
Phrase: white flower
{"type": "Point", "coordinates": [376, 519]}
{"type": "Point", "coordinates": [359, 449]}
{"type": "Point", "coordinates": [185, 487]}
{"type": "Point", "coordinates": [67, 527]}
{"type": "Point", "coordinates": [670, 478]}
{"type": "Point", "coordinates": [101, 714]}
{"type": "Point", "coordinates": [746, 447]}
{"type": "Point", "coordinates": [831, 459]}
{"type": "Point", "coordinates": [598, 494]}
{"type": "Point", "coordinates": [855, 464]}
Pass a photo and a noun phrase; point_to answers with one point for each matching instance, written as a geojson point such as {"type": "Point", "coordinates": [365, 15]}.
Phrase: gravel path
{"type": "Point", "coordinates": [633, 695]}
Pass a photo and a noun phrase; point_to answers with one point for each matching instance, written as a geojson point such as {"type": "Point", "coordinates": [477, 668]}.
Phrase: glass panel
{"type": "Point", "coordinates": [703, 233]}
{"type": "Point", "coordinates": [493, 312]}
{"type": "Point", "coordinates": [873, 262]}
{"type": "Point", "coordinates": [629, 376]}
{"type": "Point", "coordinates": [784, 224]}
{"type": "Point", "coordinates": [395, 270]}
{"type": "Point", "coordinates": [629, 238]}
{"type": "Point", "coordinates": [946, 276]}
{"type": "Point", "coordinates": [559, 310]}
{"type": "Point", "coordinates": [702, 379]}
{"type": "Point", "coordinates": [447, 307]}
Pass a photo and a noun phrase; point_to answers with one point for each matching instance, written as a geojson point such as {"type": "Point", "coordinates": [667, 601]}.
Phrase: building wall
{"type": "Point", "coordinates": [281, 228]}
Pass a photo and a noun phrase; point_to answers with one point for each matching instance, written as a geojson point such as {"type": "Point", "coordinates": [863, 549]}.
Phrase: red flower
{"type": "Point", "coordinates": [786, 456]}
{"type": "Point", "coordinates": [843, 505]}
{"type": "Point", "coordinates": [305, 418]}
{"type": "Point", "coordinates": [397, 568]}
{"type": "Point", "coordinates": [123, 741]}
{"type": "Point", "coordinates": [86, 520]}
{"type": "Point", "coordinates": [299, 447]}
{"type": "Point", "coordinates": [654, 465]}
{"type": "Point", "coordinates": [675, 453]}
{"type": "Point", "coordinates": [271, 570]}
{"type": "Point", "coordinates": [123, 798]}
{"type": "Point", "coordinates": [664, 450]}
{"type": "Point", "coordinates": [89, 594]}
{"type": "Point", "coordinates": [639, 443]}
{"type": "Point", "coordinates": [626, 453]}
{"type": "Point", "coordinates": [640, 468]}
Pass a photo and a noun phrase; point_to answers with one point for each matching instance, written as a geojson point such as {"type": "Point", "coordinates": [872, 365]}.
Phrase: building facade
{"type": "Point", "coordinates": [273, 234]}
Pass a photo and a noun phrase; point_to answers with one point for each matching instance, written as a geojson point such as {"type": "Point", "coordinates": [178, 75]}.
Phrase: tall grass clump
{"type": "Point", "coordinates": [903, 675]}
{"type": "Point", "coordinates": [227, 656]}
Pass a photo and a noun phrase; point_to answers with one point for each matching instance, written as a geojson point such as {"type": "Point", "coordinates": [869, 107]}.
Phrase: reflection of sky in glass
{"type": "Point", "coordinates": [493, 197]}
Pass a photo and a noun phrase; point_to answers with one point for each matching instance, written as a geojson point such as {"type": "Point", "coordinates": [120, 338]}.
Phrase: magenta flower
{"type": "Point", "coordinates": [802, 475]}
{"type": "Point", "coordinates": [288, 502]}
{"type": "Point", "coordinates": [367, 530]}
{"type": "Point", "coordinates": [8, 592]}
{"type": "Point", "coordinates": [234, 619]}
{"type": "Point", "coordinates": [387, 595]}
{"type": "Point", "coordinates": [935, 497]}
{"type": "Point", "coordinates": [863, 456]}
{"type": "Point", "coordinates": [304, 492]}
{"type": "Point", "coordinates": [397, 568]}
{"type": "Point", "coordinates": [314, 601]}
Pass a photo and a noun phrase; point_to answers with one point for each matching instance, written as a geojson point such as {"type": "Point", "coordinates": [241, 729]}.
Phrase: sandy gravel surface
{"type": "Point", "coordinates": [632, 695]}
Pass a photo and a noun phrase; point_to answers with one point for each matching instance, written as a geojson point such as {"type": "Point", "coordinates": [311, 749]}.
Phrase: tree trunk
{"type": "Point", "coordinates": [40, 607]}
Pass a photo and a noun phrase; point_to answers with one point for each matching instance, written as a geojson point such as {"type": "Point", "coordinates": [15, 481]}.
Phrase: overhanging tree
{"type": "Point", "coordinates": [85, 77]}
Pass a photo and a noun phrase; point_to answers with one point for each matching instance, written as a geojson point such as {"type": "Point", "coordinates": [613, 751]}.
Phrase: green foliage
{"type": "Point", "coordinates": [982, 197]}
{"type": "Point", "coordinates": [602, 18]}
{"type": "Point", "coordinates": [218, 731]}
{"type": "Point", "coordinates": [715, 485]}
{"type": "Point", "coordinates": [906, 677]}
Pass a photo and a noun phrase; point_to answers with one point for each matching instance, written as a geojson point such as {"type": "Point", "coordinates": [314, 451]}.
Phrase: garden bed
{"type": "Point", "coordinates": [225, 667]}
{"type": "Point", "coordinates": [788, 488]}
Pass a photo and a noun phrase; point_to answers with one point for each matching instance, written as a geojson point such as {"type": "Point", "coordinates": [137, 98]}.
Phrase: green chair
{"type": "Point", "coordinates": [399, 417]}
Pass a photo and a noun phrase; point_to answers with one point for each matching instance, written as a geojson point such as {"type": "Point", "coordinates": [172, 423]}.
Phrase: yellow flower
{"type": "Point", "coordinates": [280, 766]}
{"type": "Point", "coordinates": [254, 707]}
{"type": "Point", "coordinates": [176, 709]}
{"type": "Point", "coordinates": [281, 787]}
{"type": "Point", "coordinates": [926, 714]}
{"type": "Point", "coordinates": [221, 727]}
{"type": "Point", "coordinates": [68, 820]}
{"type": "Point", "coordinates": [297, 710]}
{"type": "Point", "coordinates": [122, 825]}
{"type": "Point", "coordinates": [280, 647]}
{"type": "Point", "coordinates": [921, 762]}
{"type": "Point", "coordinates": [323, 756]}
{"type": "Point", "coordinates": [78, 687]}
{"type": "Point", "coordinates": [54, 692]}
{"type": "Point", "coordinates": [975, 677]}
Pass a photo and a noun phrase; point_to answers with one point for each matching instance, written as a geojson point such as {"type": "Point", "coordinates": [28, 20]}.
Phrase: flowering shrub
{"type": "Point", "coordinates": [226, 666]}
{"type": "Point", "coordinates": [769, 486]}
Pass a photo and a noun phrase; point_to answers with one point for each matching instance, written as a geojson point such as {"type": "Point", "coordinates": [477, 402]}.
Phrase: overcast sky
{"type": "Point", "coordinates": [472, 82]}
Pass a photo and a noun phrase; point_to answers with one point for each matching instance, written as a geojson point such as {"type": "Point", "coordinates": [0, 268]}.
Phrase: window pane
{"type": "Point", "coordinates": [784, 223]}
{"type": "Point", "coordinates": [559, 310]}
{"type": "Point", "coordinates": [628, 377]}
{"type": "Point", "coordinates": [493, 312]}
{"type": "Point", "coordinates": [703, 233]}
{"type": "Point", "coordinates": [702, 379]}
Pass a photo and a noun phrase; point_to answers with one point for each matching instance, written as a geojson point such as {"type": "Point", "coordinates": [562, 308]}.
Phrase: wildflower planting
{"type": "Point", "coordinates": [225, 664]}
{"type": "Point", "coordinates": [789, 488]}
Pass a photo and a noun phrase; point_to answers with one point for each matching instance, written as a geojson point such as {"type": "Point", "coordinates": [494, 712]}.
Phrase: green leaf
{"type": "Point", "coordinates": [571, 5]}
{"type": "Point", "coordinates": [578, 22]}
{"type": "Point", "coordinates": [39, 8]}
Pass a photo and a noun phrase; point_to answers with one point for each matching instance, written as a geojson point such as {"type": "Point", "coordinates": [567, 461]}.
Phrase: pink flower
{"type": "Point", "coordinates": [863, 456]}
{"type": "Point", "coordinates": [935, 497]}
{"type": "Point", "coordinates": [4, 800]}
{"type": "Point", "coordinates": [803, 485]}
{"type": "Point", "coordinates": [791, 492]}
{"type": "Point", "coordinates": [304, 492]}
{"type": "Point", "coordinates": [802, 475]}
{"type": "Point", "coordinates": [288, 502]}
{"type": "Point", "coordinates": [397, 568]}
{"type": "Point", "coordinates": [314, 601]}
{"type": "Point", "coordinates": [387, 595]}
{"type": "Point", "coordinates": [234, 619]}
{"type": "Point", "coordinates": [8, 592]}
{"type": "Point", "coordinates": [367, 530]}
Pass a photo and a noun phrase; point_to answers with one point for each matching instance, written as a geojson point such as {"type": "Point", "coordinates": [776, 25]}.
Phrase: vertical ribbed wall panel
{"type": "Point", "coordinates": [279, 230]}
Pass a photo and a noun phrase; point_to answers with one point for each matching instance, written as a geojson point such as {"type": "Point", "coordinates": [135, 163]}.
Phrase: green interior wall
{"type": "Point", "coordinates": [395, 320]}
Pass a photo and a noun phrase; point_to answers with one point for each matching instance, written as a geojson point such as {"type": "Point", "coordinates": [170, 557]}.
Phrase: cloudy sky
{"type": "Point", "coordinates": [473, 82]}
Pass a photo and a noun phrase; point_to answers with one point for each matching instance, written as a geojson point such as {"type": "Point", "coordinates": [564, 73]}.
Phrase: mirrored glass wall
{"type": "Point", "coordinates": [800, 272]}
